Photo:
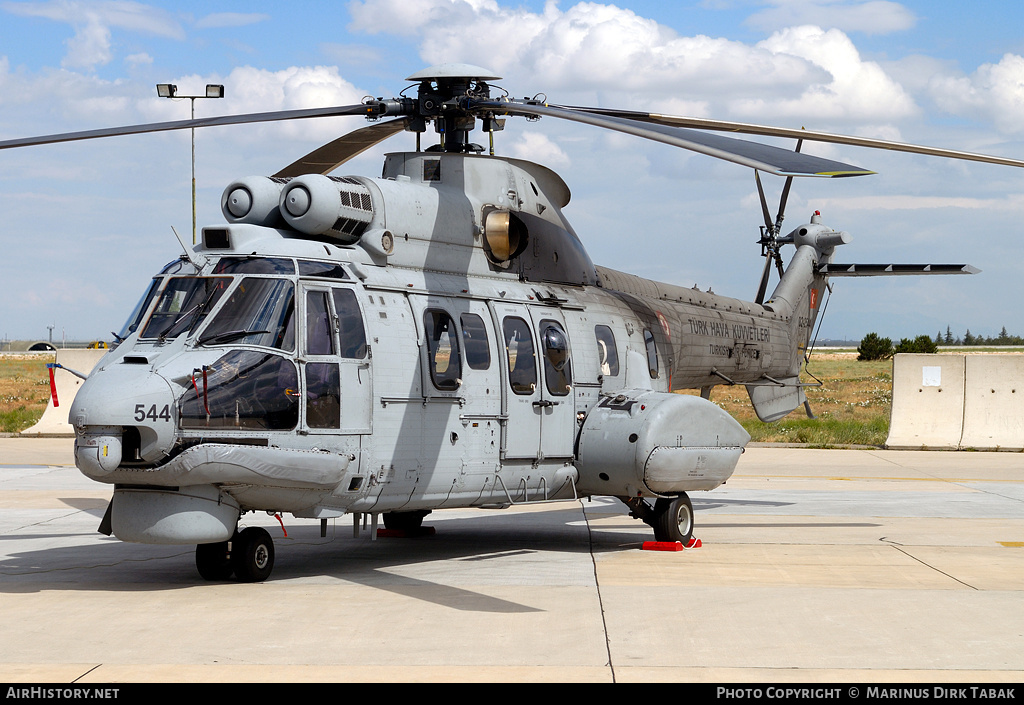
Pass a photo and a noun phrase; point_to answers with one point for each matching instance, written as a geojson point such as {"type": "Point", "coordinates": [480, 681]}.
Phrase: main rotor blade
{"type": "Point", "coordinates": [329, 157]}
{"type": "Point", "coordinates": [186, 124]}
{"type": "Point", "coordinates": [774, 160]}
{"type": "Point", "coordinates": [770, 131]}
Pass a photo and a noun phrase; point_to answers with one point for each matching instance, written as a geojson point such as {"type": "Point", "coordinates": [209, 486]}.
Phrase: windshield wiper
{"type": "Point", "coordinates": [230, 335]}
{"type": "Point", "coordinates": [194, 314]}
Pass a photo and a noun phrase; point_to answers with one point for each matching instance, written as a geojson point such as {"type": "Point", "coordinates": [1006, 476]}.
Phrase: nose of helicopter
{"type": "Point", "coordinates": [123, 413]}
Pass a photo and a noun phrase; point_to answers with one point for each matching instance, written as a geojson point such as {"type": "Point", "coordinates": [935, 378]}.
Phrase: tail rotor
{"type": "Point", "coordinates": [770, 241]}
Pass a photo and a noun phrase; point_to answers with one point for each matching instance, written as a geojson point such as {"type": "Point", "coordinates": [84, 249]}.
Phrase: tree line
{"type": "Point", "coordinates": [874, 347]}
{"type": "Point", "coordinates": [1002, 339]}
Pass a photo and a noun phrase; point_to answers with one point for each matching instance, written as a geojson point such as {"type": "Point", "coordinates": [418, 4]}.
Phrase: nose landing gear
{"type": "Point", "coordinates": [249, 555]}
{"type": "Point", "coordinates": [670, 517]}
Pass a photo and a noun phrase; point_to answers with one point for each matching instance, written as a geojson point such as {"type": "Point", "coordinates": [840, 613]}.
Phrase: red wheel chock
{"type": "Point", "coordinates": [670, 545]}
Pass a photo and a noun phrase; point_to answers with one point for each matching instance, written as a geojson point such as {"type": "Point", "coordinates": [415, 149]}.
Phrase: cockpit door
{"type": "Point", "coordinates": [334, 359]}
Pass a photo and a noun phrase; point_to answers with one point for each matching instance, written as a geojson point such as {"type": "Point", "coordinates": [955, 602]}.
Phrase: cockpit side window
{"type": "Point", "coordinates": [350, 324]}
{"type": "Point", "coordinates": [132, 324]}
{"type": "Point", "coordinates": [319, 331]}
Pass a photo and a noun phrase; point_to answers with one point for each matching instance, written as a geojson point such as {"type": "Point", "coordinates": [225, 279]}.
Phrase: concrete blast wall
{"type": "Point", "coordinates": [957, 401]}
{"type": "Point", "coordinates": [54, 421]}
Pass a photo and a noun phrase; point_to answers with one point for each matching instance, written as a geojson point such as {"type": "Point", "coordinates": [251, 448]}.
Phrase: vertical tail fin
{"type": "Point", "coordinates": [798, 297]}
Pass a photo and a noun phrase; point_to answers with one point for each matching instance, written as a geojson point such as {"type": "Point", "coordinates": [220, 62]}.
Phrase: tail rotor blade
{"type": "Point", "coordinates": [762, 288]}
{"type": "Point", "coordinates": [785, 196]}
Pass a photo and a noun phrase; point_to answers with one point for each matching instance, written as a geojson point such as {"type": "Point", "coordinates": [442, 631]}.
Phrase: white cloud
{"type": "Point", "coordinates": [253, 90]}
{"type": "Point", "coordinates": [537, 147]}
{"type": "Point", "coordinates": [140, 59]}
{"type": "Point", "coordinates": [593, 50]}
{"type": "Point", "coordinates": [407, 18]}
{"type": "Point", "coordinates": [858, 89]}
{"type": "Point", "coordinates": [230, 19]}
{"type": "Point", "coordinates": [873, 17]}
{"type": "Point", "coordinates": [90, 46]}
{"type": "Point", "coordinates": [93, 21]}
{"type": "Point", "coordinates": [994, 92]}
{"type": "Point", "coordinates": [1013, 203]}
{"type": "Point", "coordinates": [589, 47]}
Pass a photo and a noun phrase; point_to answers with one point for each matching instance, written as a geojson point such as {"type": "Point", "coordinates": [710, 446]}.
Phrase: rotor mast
{"type": "Point", "coordinates": [443, 94]}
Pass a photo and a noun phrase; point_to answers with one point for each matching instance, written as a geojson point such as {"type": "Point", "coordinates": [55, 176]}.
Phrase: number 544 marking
{"type": "Point", "coordinates": [141, 413]}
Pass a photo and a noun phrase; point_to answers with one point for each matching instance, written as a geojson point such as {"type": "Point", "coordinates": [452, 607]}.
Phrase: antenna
{"type": "Point", "coordinates": [197, 261]}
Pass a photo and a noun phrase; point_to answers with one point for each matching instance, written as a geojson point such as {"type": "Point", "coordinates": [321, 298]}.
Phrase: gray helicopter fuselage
{"type": "Point", "coordinates": [374, 345]}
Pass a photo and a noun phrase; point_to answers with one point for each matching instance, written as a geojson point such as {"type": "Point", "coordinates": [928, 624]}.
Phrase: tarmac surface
{"type": "Point", "coordinates": [835, 566]}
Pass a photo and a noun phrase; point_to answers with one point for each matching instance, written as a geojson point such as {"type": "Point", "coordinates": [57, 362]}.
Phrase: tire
{"type": "Point", "coordinates": [213, 561]}
{"type": "Point", "coordinates": [252, 555]}
{"type": "Point", "coordinates": [404, 521]}
{"type": "Point", "coordinates": [673, 520]}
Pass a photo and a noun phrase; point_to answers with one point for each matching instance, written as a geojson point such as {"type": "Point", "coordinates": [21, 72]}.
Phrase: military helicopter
{"type": "Point", "coordinates": [439, 337]}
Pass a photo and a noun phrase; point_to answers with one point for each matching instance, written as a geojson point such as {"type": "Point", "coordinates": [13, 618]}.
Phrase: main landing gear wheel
{"type": "Point", "coordinates": [673, 519]}
{"type": "Point", "coordinates": [252, 555]}
{"type": "Point", "coordinates": [214, 561]}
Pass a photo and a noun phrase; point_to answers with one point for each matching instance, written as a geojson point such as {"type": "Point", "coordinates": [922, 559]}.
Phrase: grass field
{"type": "Point", "coordinates": [24, 390]}
{"type": "Point", "coordinates": [851, 406]}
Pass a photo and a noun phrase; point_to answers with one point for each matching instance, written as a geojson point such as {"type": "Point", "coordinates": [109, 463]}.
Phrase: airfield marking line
{"type": "Point", "coordinates": [597, 586]}
{"type": "Point", "coordinates": [87, 673]}
{"type": "Point", "coordinates": [849, 478]}
{"type": "Point", "coordinates": [940, 572]}
{"type": "Point", "coordinates": [46, 521]}
{"type": "Point", "coordinates": [93, 565]}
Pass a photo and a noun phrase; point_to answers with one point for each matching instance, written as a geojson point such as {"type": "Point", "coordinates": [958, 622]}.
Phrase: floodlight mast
{"type": "Point", "coordinates": [169, 90]}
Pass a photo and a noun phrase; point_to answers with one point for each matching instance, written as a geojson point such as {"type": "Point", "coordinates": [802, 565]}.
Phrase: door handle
{"type": "Point", "coordinates": [545, 402]}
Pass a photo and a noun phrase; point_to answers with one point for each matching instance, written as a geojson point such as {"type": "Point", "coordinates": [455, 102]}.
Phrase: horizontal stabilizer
{"type": "Point", "coordinates": [893, 270]}
{"type": "Point", "coordinates": [772, 402]}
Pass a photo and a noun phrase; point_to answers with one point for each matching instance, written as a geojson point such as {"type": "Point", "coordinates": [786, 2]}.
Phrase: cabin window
{"type": "Point", "coordinates": [608, 355]}
{"type": "Point", "coordinates": [442, 350]}
{"type": "Point", "coordinates": [244, 389]}
{"type": "Point", "coordinates": [350, 324]}
{"type": "Point", "coordinates": [323, 395]}
{"type": "Point", "coordinates": [258, 312]}
{"type": "Point", "coordinates": [319, 333]}
{"type": "Point", "coordinates": [183, 305]}
{"type": "Point", "coordinates": [652, 354]}
{"type": "Point", "coordinates": [522, 363]}
{"type": "Point", "coordinates": [557, 366]}
{"type": "Point", "coordinates": [474, 335]}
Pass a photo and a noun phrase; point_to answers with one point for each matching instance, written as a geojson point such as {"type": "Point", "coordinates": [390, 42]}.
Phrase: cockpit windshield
{"type": "Point", "coordinates": [259, 311]}
{"type": "Point", "coordinates": [183, 305]}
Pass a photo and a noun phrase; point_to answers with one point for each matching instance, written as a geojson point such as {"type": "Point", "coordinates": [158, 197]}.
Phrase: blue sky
{"type": "Point", "coordinates": [87, 224]}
